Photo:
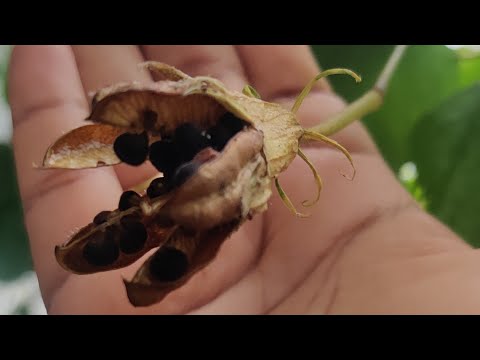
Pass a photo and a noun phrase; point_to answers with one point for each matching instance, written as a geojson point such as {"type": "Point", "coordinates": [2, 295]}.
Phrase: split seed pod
{"type": "Point", "coordinates": [189, 220]}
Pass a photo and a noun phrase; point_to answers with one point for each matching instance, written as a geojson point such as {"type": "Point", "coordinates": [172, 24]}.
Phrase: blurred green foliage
{"type": "Point", "coordinates": [426, 76]}
{"type": "Point", "coordinates": [431, 116]}
{"type": "Point", "coordinates": [14, 251]}
{"type": "Point", "coordinates": [446, 149]}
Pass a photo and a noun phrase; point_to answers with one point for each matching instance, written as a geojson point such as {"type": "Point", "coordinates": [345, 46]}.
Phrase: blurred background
{"type": "Point", "coordinates": [428, 131]}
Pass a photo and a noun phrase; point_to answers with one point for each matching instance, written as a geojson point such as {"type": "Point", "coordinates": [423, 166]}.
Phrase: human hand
{"type": "Point", "coordinates": [366, 248]}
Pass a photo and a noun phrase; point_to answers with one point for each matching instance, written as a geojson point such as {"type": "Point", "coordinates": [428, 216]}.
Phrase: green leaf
{"type": "Point", "coordinates": [425, 77]}
{"type": "Point", "coordinates": [469, 71]}
{"type": "Point", "coordinates": [446, 150]}
{"type": "Point", "coordinates": [5, 52]}
{"type": "Point", "coordinates": [14, 250]}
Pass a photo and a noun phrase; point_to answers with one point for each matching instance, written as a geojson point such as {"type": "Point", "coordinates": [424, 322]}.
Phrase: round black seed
{"type": "Point", "coordinates": [164, 156]}
{"type": "Point", "coordinates": [158, 187]}
{"type": "Point", "coordinates": [219, 136]}
{"type": "Point", "coordinates": [101, 217]}
{"type": "Point", "coordinates": [168, 264]}
{"type": "Point", "coordinates": [189, 140]}
{"type": "Point", "coordinates": [132, 148]}
{"type": "Point", "coordinates": [224, 130]}
{"type": "Point", "coordinates": [132, 237]}
{"type": "Point", "coordinates": [128, 199]}
{"type": "Point", "coordinates": [100, 250]}
{"type": "Point", "coordinates": [184, 172]}
{"type": "Point", "coordinates": [233, 123]}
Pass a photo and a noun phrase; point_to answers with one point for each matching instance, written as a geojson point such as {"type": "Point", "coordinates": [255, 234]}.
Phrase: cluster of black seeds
{"type": "Point", "coordinates": [129, 236]}
{"type": "Point", "coordinates": [174, 157]}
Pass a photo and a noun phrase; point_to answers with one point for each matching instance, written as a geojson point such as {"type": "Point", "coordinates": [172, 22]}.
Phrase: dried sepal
{"type": "Point", "coordinates": [286, 200]}
{"type": "Point", "coordinates": [250, 91]}
{"type": "Point", "coordinates": [164, 71]}
{"type": "Point", "coordinates": [318, 179]}
{"type": "Point", "coordinates": [311, 135]}
{"type": "Point", "coordinates": [85, 147]}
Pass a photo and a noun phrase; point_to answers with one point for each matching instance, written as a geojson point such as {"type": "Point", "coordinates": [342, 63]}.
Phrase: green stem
{"type": "Point", "coordinates": [366, 104]}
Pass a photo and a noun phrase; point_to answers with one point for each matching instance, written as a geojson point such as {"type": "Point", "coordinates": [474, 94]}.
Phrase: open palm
{"type": "Point", "coordinates": [366, 248]}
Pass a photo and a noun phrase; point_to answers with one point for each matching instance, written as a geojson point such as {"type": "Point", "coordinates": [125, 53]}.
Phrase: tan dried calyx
{"type": "Point", "coordinates": [195, 217]}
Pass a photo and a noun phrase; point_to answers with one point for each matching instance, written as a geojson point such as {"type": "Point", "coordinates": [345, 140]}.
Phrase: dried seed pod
{"type": "Point", "coordinates": [132, 237]}
{"type": "Point", "coordinates": [101, 249]}
{"type": "Point", "coordinates": [168, 264]}
{"type": "Point", "coordinates": [198, 250]}
{"type": "Point", "coordinates": [218, 189]}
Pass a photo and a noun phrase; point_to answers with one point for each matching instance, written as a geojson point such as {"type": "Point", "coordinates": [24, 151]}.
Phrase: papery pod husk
{"type": "Point", "coordinates": [227, 190]}
{"type": "Point", "coordinates": [88, 146]}
{"type": "Point", "coordinates": [69, 255]}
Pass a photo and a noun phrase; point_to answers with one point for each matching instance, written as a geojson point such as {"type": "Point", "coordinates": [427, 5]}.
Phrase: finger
{"type": "Point", "coordinates": [220, 62]}
{"type": "Point", "coordinates": [47, 100]}
{"type": "Point", "coordinates": [297, 247]}
{"type": "Point", "coordinates": [101, 66]}
{"type": "Point", "coordinates": [279, 73]}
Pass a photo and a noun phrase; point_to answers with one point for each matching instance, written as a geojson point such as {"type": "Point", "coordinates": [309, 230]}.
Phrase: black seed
{"type": "Point", "coordinates": [184, 172]}
{"type": "Point", "coordinates": [224, 130]}
{"type": "Point", "coordinates": [128, 199]}
{"type": "Point", "coordinates": [219, 136]}
{"type": "Point", "coordinates": [158, 187]}
{"type": "Point", "coordinates": [101, 217]}
{"type": "Point", "coordinates": [132, 148]}
{"type": "Point", "coordinates": [164, 156]}
{"type": "Point", "coordinates": [133, 237]}
{"type": "Point", "coordinates": [189, 140]}
{"type": "Point", "coordinates": [101, 250]}
{"type": "Point", "coordinates": [233, 123]}
{"type": "Point", "coordinates": [168, 264]}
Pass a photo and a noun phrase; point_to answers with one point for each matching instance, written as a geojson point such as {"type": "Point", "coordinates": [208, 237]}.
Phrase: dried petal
{"type": "Point", "coordinates": [89, 146]}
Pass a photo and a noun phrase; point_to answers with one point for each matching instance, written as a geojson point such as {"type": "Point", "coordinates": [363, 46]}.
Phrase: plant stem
{"type": "Point", "coordinates": [367, 103]}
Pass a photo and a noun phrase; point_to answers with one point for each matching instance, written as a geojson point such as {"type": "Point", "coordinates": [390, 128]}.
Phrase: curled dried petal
{"type": "Point", "coordinates": [89, 146]}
